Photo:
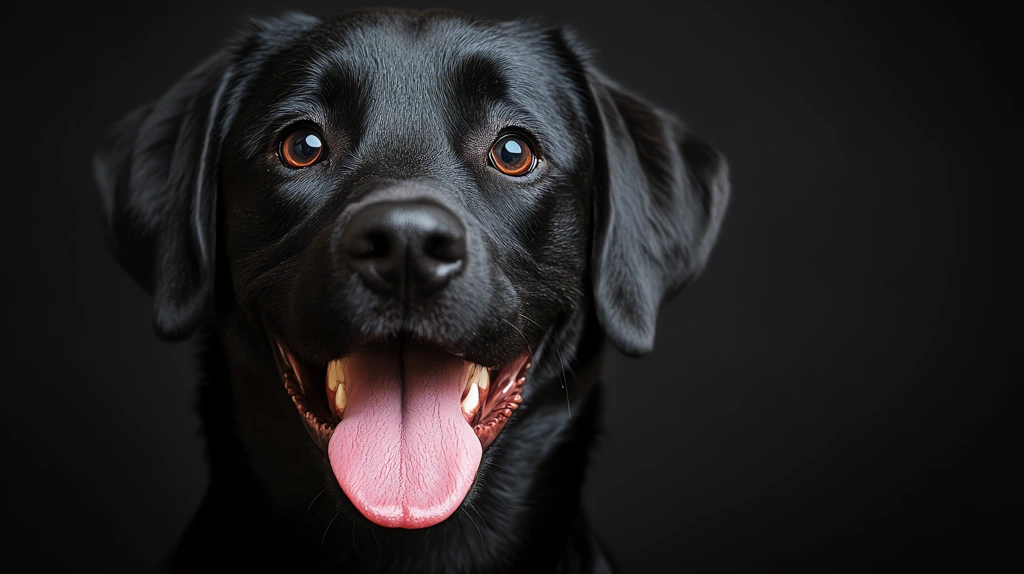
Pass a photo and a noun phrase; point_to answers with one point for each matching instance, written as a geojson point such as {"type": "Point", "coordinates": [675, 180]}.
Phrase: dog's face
{"type": "Point", "coordinates": [406, 210]}
{"type": "Point", "coordinates": [399, 214]}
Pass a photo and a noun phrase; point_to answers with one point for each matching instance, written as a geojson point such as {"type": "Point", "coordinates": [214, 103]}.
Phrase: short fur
{"type": "Point", "coordinates": [232, 245]}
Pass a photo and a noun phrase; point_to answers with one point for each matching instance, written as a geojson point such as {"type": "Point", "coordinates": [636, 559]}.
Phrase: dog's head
{"type": "Point", "coordinates": [399, 213]}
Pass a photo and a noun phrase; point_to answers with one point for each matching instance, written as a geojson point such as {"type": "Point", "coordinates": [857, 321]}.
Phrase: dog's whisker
{"type": "Point", "coordinates": [525, 340]}
{"type": "Point", "coordinates": [478, 531]}
{"type": "Point", "coordinates": [481, 517]}
{"type": "Point", "coordinates": [324, 539]}
{"type": "Point", "coordinates": [561, 364]}
{"type": "Point", "coordinates": [308, 508]}
{"type": "Point", "coordinates": [565, 383]}
{"type": "Point", "coordinates": [373, 531]}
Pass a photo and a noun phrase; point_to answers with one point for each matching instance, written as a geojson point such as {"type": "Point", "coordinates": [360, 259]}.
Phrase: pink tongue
{"type": "Point", "coordinates": [403, 453]}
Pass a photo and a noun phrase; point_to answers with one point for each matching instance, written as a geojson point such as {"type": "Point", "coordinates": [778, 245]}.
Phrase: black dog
{"type": "Point", "coordinates": [423, 225]}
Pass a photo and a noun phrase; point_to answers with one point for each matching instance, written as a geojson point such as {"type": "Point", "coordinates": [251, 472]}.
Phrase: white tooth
{"type": "Point", "coordinates": [472, 401]}
{"type": "Point", "coordinates": [477, 375]}
{"type": "Point", "coordinates": [336, 396]}
{"type": "Point", "coordinates": [335, 374]}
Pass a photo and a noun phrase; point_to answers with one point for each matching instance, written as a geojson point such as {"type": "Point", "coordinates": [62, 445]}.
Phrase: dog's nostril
{"type": "Point", "coordinates": [445, 248]}
{"type": "Point", "coordinates": [371, 245]}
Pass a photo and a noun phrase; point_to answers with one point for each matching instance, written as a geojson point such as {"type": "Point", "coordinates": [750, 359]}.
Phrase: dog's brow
{"type": "Point", "coordinates": [477, 80]}
{"type": "Point", "coordinates": [277, 117]}
{"type": "Point", "coordinates": [319, 92]}
{"type": "Point", "coordinates": [478, 76]}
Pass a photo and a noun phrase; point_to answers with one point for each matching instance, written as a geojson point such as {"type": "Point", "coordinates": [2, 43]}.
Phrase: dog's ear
{"type": "Point", "coordinates": [660, 197]}
{"type": "Point", "coordinates": [158, 175]}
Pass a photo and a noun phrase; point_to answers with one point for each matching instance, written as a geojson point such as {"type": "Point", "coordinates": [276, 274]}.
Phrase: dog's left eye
{"type": "Point", "coordinates": [302, 148]}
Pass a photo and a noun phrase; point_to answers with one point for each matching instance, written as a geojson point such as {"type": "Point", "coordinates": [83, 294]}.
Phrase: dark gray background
{"type": "Point", "coordinates": [835, 390]}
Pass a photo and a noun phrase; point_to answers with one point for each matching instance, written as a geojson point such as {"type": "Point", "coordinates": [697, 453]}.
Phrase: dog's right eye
{"type": "Point", "coordinates": [302, 148]}
{"type": "Point", "coordinates": [513, 155]}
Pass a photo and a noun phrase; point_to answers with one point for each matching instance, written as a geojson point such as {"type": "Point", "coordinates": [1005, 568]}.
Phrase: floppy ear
{"type": "Point", "coordinates": [660, 198]}
{"type": "Point", "coordinates": [157, 174]}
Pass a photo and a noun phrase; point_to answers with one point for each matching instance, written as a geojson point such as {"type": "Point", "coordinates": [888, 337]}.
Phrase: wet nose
{"type": "Point", "coordinates": [405, 248]}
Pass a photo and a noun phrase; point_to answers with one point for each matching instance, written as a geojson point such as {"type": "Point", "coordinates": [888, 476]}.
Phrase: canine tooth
{"type": "Point", "coordinates": [472, 401]}
{"type": "Point", "coordinates": [335, 374]}
{"type": "Point", "coordinates": [480, 378]}
{"type": "Point", "coordinates": [336, 396]}
{"type": "Point", "coordinates": [477, 375]}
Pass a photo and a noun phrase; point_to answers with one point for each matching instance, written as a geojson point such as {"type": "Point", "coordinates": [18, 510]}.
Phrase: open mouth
{"type": "Point", "coordinates": [404, 424]}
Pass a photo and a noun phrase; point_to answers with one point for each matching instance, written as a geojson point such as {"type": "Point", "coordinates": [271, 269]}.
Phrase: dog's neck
{"type": "Point", "coordinates": [271, 489]}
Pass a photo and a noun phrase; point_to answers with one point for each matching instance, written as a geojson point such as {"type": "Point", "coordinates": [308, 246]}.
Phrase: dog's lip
{"type": "Point", "coordinates": [316, 418]}
{"type": "Point", "coordinates": [309, 394]}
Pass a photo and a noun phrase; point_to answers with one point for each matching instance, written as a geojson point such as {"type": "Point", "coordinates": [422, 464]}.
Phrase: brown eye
{"type": "Point", "coordinates": [513, 155]}
{"type": "Point", "coordinates": [302, 148]}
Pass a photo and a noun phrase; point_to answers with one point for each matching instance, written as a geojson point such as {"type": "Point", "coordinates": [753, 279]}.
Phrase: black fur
{"type": "Point", "coordinates": [621, 213]}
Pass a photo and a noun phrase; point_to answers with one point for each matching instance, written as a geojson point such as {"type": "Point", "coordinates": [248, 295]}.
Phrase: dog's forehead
{"type": "Point", "coordinates": [399, 49]}
{"type": "Point", "coordinates": [407, 70]}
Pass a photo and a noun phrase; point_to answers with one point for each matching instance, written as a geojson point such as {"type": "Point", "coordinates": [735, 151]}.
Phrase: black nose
{"type": "Point", "coordinates": [405, 248]}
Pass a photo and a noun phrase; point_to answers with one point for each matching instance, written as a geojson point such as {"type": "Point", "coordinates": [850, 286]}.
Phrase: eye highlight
{"type": "Point", "coordinates": [302, 147]}
{"type": "Point", "coordinates": [512, 154]}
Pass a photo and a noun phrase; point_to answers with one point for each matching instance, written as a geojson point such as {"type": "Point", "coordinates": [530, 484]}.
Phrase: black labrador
{"type": "Point", "coordinates": [399, 235]}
